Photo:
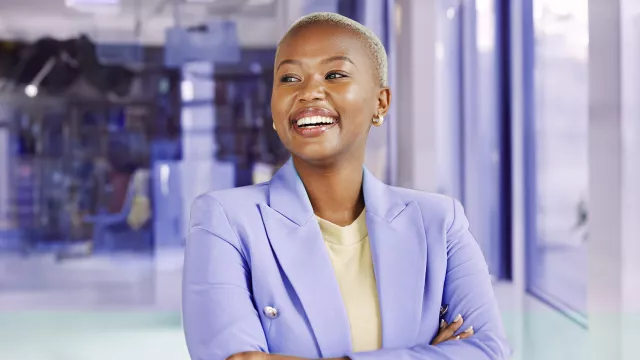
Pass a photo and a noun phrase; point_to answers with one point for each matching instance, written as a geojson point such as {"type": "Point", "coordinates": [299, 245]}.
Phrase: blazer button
{"type": "Point", "coordinates": [270, 312]}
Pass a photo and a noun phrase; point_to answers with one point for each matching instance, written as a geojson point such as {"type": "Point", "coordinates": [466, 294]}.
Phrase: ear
{"type": "Point", "coordinates": [384, 101]}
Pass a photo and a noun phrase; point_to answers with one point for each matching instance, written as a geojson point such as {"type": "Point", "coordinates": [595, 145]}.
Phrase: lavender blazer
{"type": "Point", "coordinates": [257, 276]}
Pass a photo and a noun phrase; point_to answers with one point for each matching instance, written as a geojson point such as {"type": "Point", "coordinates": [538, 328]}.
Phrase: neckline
{"type": "Point", "coordinates": [344, 235]}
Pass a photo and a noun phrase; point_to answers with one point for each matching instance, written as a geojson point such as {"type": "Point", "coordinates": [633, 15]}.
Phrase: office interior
{"type": "Point", "coordinates": [116, 114]}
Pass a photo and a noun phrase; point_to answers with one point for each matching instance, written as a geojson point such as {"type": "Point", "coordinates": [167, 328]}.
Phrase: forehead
{"type": "Point", "coordinates": [322, 40]}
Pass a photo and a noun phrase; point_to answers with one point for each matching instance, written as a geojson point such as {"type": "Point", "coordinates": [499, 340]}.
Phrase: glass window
{"type": "Point", "coordinates": [557, 168]}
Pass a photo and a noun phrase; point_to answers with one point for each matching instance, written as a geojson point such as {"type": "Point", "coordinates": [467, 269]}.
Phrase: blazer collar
{"type": "Point", "coordinates": [288, 196]}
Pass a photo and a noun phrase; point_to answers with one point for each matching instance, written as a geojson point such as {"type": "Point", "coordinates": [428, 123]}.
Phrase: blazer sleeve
{"type": "Point", "coordinates": [467, 291]}
{"type": "Point", "coordinates": [219, 317]}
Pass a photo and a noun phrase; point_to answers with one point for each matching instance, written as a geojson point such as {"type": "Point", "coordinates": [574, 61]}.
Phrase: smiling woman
{"type": "Point", "coordinates": [326, 261]}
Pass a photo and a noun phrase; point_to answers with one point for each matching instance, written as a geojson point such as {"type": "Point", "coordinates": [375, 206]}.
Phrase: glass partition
{"type": "Point", "coordinates": [557, 165]}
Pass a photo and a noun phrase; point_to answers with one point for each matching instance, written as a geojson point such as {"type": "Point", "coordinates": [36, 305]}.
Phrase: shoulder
{"type": "Point", "coordinates": [436, 208]}
{"type": "Point", "coordinates": [428, 200]}
{"type": "Point", "coordinates": [221, 205]}
{"type": "Point", "coordinates": [245, 196]}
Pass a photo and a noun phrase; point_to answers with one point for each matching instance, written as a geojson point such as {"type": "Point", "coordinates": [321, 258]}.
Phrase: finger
{"type": "Point", "coordinates": [448, 330]}
{"type": "Point", "coordinates": [467, 333]}
{"type": "Point", "coordinates": [455, 325]}
{"type": "Point", "coordinates": [439, 338]}
{"type": "Point", "coordinates": [249, 355]}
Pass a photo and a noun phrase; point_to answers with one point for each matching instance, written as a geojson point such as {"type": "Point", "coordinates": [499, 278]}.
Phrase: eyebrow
{"type": "Point", "coordinates": [338, 58]}
{"type": "Point", "coordinates": [325, 61]}
{"type": "Point", "coordinates": [288, 61]}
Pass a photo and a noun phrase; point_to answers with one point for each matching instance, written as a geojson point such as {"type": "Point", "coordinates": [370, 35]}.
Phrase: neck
{"type": "Point", "coordinates": [335, 191]}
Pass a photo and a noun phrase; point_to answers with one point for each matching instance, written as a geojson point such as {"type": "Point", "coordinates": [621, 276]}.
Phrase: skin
{"type": "Point", "coordinates": [327, 66]}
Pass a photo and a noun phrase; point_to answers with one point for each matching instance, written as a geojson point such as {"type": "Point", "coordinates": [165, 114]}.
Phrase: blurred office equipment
{"type": "Point", "coordinates": [213, 41]}
{"type": "Point", "coordinates": [79, 136]}
{"type": "Point", "coordinates": [129, 228]}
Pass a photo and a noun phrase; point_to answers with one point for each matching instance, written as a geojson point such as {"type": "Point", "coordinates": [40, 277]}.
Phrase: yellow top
{"type": "Point", "coordinates": [350, 253]}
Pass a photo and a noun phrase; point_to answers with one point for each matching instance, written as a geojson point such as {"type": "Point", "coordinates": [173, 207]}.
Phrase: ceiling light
{"type": "Point", "coordinates": [72, 3]}
{"type": "Point", "coordinates": [31, 90]}
{"type": "Point", "coordinates": [95, 6]}
{"type": "Point", "coordinates": [84, 3]}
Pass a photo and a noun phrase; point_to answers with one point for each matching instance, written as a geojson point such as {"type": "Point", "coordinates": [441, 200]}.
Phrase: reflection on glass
{"type": "Point", "coordinates": [558, 260]}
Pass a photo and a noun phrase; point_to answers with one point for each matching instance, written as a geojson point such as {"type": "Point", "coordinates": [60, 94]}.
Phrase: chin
{"type": "Point", "coordinates": [315, 154]}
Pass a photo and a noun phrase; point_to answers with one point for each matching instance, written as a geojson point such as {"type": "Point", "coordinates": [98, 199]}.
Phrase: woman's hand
{"type": "Point", "coordinates": [450, 331]}
{"type": "Point", "coordinates": [447, 332]}
{"type": "Point", "coordinates": [256, 355]}
{"type": "Point", "coordinates": [251, 355]}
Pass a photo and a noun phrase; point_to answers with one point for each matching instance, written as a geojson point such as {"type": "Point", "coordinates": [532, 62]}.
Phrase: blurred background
{"type": "Point", "coordinates": [115, 114]}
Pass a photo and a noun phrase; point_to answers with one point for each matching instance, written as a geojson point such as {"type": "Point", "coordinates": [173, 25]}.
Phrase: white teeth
{"type": "Point", "coordinates": [315, 120]}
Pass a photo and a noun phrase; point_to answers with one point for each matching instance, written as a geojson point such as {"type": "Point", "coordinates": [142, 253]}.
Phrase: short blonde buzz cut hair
{"type": "Point", "coordinates": [371, 42]}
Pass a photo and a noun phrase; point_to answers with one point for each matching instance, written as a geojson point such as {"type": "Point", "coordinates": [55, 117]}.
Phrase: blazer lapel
{"type": "Point", "coordinates": [399, 251]}
{"type": "Point", "coordinates": [297, 242]}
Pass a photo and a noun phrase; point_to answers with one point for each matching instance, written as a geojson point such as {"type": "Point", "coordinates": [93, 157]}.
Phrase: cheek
{"type": "Point", "coordinates": [350, 93]}
{"type": "Point", "coordinates": [280, 104]}
{"type": "Point", "coordinates": [356, 104]}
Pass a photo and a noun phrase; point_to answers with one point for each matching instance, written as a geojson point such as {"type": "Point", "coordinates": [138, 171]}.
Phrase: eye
{"type": "Point", "coordinates": [334, 75]}
{"type": "Point", "coordinates": [288, 79]}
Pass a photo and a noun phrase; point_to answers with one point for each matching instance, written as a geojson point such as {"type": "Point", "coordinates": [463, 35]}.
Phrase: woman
{"type": "Point", "coordinates": [325, 261]}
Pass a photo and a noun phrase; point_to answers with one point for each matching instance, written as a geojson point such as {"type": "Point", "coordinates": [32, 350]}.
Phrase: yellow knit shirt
{"type": "Point", "coordinates": [350, 253]}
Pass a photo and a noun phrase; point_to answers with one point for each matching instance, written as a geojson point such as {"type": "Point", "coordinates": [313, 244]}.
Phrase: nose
{"type": "Point", "coordinates": [312, 90]}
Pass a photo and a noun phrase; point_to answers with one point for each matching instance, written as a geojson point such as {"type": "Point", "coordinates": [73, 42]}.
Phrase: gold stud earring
{"type": "Point", "coordinates": [378, 120]}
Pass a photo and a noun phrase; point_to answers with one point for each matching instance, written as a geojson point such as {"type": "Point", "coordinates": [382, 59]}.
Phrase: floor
{"type": "Point", "coordinates": [96, 283]}
{"type": "Point", "coordinates": [127, 307]}
{"type": "Point", "coordinates": [91, 336]}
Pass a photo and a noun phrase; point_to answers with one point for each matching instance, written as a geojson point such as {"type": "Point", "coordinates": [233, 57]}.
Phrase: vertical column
{"type": "Point", "coordinates": [520, 107]}
{"type": "Point", "coordinates": [201, 172]}
{"type": "Point", "coordinates": [5, 157]}
{"type": "Point", "coordinates": [392, 17]}
{"type": "Point", "coordinates": [614, 149]}
{"type": "Point", "coordinates": [484, 188]}
{"type": "Point", "coordinates": [179, 184]}
{"type": "Point", "coordinates": [375, 16]}
{"type": "Point", "coordinates": [415, 98]}
{"type": "Point", "coordinates": [449, 76]}
{"type": "Point", "coordinates": [630, 129]}
{"type": "Point", "coordinates": [198, 116]}
{"type": "Point", "coordinates": [605, 170]}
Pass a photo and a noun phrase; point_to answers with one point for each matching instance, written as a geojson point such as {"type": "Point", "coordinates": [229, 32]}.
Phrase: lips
{"type": "Point", "coordinates": [315, 121]}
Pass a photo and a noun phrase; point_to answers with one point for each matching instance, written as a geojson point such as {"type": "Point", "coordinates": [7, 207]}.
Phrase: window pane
{"type": "Point", "coordinates": [558, 251]}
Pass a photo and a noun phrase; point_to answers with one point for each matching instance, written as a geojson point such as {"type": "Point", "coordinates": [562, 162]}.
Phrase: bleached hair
{"type": "Point", "coordinates": [371, 42]}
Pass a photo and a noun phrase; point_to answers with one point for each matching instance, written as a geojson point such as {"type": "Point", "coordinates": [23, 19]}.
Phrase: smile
{"type": "Point", "coordinates": [313, 126]}
{"type": "Point", "coordinates": [311, 121]}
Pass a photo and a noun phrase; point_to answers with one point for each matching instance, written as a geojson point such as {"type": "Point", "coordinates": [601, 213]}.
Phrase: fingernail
{"type": "Point", "coordinates": [458, 318]}
{"type": "Point", "coordinates": [442, 323]}
{"type": "Point", "coordinates": [458, 337]}
{"type": "Point", "coordinates": [469, 329]}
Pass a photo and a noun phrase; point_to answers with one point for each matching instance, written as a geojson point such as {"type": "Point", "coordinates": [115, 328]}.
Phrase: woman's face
{"type": "Point", "coordinates": [325, 93]}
